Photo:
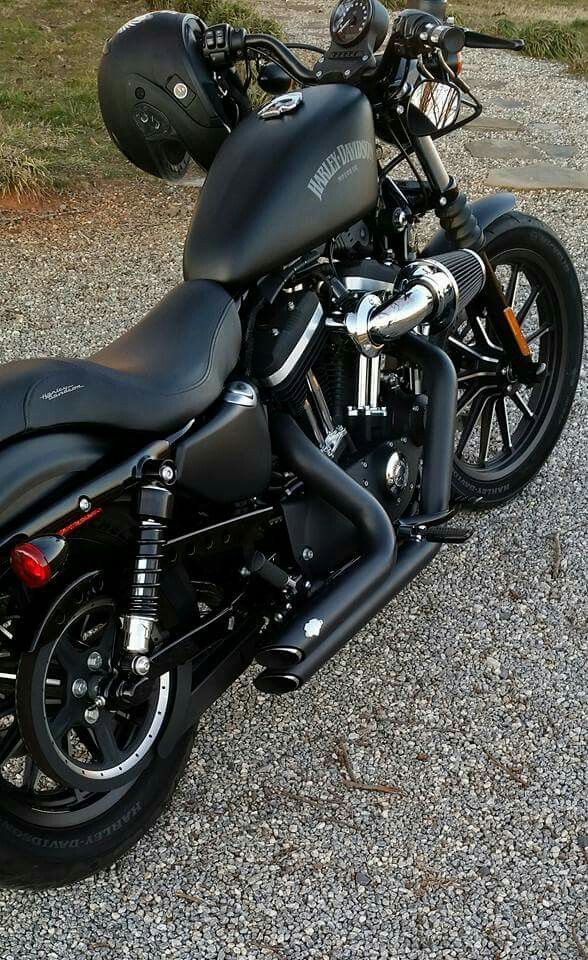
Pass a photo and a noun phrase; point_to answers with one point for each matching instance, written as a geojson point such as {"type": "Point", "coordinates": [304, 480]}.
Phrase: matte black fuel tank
{"type": "Point", "coordinates": [279, 187]}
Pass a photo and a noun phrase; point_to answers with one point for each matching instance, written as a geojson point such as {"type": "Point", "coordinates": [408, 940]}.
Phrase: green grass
{"type": "Point", "coordinates": [551, 30]}
{"type": "Point", "coordinates": [51, 131]}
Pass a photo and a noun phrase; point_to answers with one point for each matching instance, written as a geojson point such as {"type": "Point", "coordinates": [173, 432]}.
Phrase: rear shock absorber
{"type": "Point", "coordinates": [154, 506]}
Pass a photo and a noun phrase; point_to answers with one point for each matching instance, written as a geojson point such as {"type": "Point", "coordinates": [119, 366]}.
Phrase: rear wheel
{"type": "Point", "coordinates": [81, 779]}
{"type": "Point", "coordinates": [505, 431]}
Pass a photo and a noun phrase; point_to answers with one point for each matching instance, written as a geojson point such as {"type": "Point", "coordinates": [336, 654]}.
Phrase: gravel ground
{"type": "Point", "coordinates": [467, 694]}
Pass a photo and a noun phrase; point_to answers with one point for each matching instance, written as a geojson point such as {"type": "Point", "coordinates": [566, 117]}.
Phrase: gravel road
{"type": "Point", "coordinates": [468, 694]}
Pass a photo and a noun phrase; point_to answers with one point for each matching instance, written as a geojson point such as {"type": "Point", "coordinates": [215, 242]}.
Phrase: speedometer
{"type": "Point", "coordinates": [350, 21]}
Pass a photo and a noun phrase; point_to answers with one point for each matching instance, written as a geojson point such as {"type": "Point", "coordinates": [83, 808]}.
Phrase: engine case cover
{"type": "Point", "coordinates": [281, 186]}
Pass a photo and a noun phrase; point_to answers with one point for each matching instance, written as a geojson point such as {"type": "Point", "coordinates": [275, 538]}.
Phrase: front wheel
{"type": "Point", "coordinates": [505, 431]}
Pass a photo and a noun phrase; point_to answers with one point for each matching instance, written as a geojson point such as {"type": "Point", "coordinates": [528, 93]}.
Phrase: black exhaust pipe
{"type": "Point", "coordinates": [329, 620]}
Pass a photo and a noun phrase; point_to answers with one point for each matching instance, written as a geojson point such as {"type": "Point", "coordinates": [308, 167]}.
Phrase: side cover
{"type": "Point", "coordinates": [281, 186]}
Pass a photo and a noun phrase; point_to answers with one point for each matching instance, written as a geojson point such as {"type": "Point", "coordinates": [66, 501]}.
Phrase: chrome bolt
{"type": "Point", "coordinates": [319, 73]}
{"type": "Point", "coordinates": [94, 661]}
{"type": "Point", "coordinates": [347, 73]}
{"type": "Point", "coordinates": [92, 715]}
{"type": "Point", "coordinates": [365, 57]}
{"type": "Point", "coordinates": [167, 473]}
{"type": "Point", "coordinates": [307, 553]}
{"type": "Point", "coordinates": [141, 666]}
{"type": "Point", "coordinates": [245, 572]}
{"type": "Point", "coordinates": [443, 201]}
{"type": "Point", "coordinates": [84, 504]}
{"type": "Point", "coordinates": [99, 703]}
{"type": "Point", "coordinates": [278, 617]}
{"type": "Point", "coordinates": [400, 109]}
{"type": "Point", "coordinates": [79, 688]}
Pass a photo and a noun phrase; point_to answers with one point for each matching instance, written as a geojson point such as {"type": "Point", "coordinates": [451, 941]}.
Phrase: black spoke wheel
{"type": "Point", "coordinates": [77, 731]}
{"type": "Point", "coordinates": [53, 832]}
{"type": "Point", "coordinates": [505, 430]}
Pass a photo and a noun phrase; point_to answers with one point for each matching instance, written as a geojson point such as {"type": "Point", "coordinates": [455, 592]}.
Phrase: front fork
{"type": "Point", "coordinates": [460, 224]}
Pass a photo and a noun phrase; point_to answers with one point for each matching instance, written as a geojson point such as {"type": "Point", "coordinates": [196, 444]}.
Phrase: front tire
{"type": "Point", "coordinates": [505, 432]}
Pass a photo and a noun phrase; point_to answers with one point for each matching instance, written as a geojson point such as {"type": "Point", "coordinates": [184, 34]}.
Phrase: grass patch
{"type": "Point", "coordinates": [51, 130]}
{"type": "Point", "coordinates": [550, 32]}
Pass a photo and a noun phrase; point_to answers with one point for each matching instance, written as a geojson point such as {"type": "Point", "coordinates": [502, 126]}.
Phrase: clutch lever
{"type": "Point", "coordinates": [483, 41]}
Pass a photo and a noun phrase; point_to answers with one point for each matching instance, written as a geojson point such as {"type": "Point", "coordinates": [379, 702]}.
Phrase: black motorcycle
{"type": "Point", "coordinates": [254, 470]}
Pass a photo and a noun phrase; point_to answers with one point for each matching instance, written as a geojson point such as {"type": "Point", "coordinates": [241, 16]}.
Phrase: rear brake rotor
{"type": "Point", "coordinates": [75, 730]}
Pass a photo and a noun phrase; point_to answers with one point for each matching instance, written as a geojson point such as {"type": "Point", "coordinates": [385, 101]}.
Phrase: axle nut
{"type": "Point", "coordinates": [141, 666]}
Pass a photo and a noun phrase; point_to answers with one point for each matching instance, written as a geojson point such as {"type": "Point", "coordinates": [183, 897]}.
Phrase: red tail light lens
{"type": "Point", "coordinates": [30, 565]}
{"type": "Point", "coordinates": [37, 562]}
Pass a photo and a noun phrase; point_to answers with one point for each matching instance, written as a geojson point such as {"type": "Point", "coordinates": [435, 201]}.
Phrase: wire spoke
{"type": "Point", "coordinates": [486, 429]}
{"type": "Point", "coordinates": [467, 349]}
{"type": "Point", "coordinates": [536, 291]}
{"type": "Point", "coordinates": [540, 332]}
{"type": "Point", "coordinates": [523, 406]}
{"type": "Point", "coordinates": [513, 285]}
{"type": "Point", "coordinates": [481, 333]}
{"type": "Point", "coordinates": [8, 670]}
{"type": "Point", "coordinates": [504, 424]}
{"type": "Point", "coordinates": [10, 742]}
{"type": "Point", "coordinates": [468, 429]}
{"type": "Point", "coordinates": [471, 394]}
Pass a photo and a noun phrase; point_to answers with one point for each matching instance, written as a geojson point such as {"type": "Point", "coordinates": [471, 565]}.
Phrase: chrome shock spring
{"type": "Point", "coordinates": [154, 506]}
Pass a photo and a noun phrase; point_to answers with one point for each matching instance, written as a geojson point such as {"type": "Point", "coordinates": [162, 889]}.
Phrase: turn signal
{"type": "Point", "coordinates": [36, 563]}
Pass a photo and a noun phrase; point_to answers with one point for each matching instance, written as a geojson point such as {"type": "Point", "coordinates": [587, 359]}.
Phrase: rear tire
{"type": "Point", "coordinates": [37, 858]}
{"type": "Point", "coordinates": [554, 323]}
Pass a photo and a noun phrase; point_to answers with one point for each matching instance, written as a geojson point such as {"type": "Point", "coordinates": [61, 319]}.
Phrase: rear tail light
{"type": "Point", "coordinates": [36, 563]}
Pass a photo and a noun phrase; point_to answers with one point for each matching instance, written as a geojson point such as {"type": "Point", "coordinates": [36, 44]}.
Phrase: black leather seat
{"type": "Point", "coordinates": [167, 369]}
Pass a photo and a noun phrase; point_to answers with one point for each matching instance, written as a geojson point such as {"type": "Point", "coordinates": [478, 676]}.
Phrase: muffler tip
{"type": "Point", "coordinates": [276, 683]}
{"type": "Point", "coordinates": [278, 658]}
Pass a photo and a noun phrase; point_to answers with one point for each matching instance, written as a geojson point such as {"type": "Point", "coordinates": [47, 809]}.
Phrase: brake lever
{"type": "Point", "coordinates": [483, 41]}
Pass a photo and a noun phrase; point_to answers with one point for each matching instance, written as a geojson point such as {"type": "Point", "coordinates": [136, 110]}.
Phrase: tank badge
{"type": "Point", "coordinates": [287, 103]}
{"type": "Point", "coordinates": [341, 163]}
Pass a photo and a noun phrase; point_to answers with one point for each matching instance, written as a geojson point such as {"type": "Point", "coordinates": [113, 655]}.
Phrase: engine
{"type": "Point", "coordinates": [332, 364]}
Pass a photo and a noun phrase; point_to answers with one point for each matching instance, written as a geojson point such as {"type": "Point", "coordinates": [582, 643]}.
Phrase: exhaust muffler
{"type": "Point", "coordinates": [345, 605]}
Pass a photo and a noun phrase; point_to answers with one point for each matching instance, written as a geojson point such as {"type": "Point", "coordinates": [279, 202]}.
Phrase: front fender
{"type": "Point", "coordinates": [486, 212]}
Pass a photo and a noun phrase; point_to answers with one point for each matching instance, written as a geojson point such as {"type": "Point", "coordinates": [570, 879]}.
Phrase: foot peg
{"type": "Point", "coordinates": [433, 528]}
{"type": "Point", "coordinates": [445, 534]}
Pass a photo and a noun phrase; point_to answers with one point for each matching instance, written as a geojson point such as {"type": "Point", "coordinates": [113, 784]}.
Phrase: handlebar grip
{"type": "Point", "coordinates": [483, 41]}
{"type": "Point", "coordinates": [449, 38]}
{"type": "Point", "coordinates": [422, 29]}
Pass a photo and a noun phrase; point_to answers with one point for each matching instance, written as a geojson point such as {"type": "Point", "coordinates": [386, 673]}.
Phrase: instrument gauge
{"type": "Point", "coordinates": [350, 21]}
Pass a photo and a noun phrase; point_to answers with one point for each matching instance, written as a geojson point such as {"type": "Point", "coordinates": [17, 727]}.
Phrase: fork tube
{"type": "Point", "coordinates": [432, 164]}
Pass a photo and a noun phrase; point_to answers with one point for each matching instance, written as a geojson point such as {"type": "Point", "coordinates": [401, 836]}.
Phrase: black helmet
{"type": "Point", "coordinates": [159, 99]}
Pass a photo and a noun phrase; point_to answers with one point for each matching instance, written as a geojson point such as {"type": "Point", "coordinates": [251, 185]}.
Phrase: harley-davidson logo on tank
{"type": "Point", "coordinates": [341, 163]}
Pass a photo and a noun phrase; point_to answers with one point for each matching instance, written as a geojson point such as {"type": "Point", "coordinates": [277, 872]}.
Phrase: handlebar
{"type": "Point", "coordinates": [414, 33]}
{"type": "Point", "coordinates": [225, 45]}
